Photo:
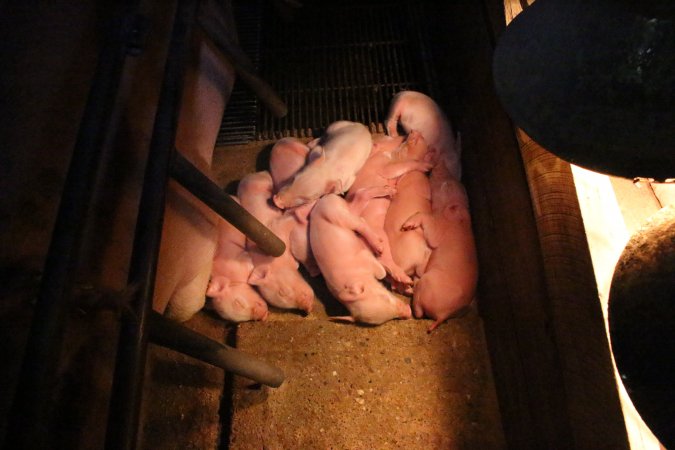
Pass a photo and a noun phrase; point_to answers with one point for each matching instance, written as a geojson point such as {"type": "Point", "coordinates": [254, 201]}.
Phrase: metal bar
{"type": "Point", "coordinates": [213, 196]}
{"type": "Point", "coordinates": [32, 405]}
{"type": "Point", "coordinates": [175, 336]}
{"type": "Point", "coordinates": [123, 417]}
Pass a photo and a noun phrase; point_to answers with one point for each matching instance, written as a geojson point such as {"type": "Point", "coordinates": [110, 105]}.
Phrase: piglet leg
{"type": "Point", "coordinates": [392, 122]}
{"type": "Point", "coordinates": [397, 169]}
{"type": "Point", "coordinates": [427, 223]}
{"type": "Point", "coordinates": [373, 239]}
{"type": "Point", "coordinates": [401, 288]}
{"type": "Point", "coordinates": [357, 205]}
{"type": "Point", "coordinates": [353, 221]}
{"type": "Point", "coordinates": [362, 197]}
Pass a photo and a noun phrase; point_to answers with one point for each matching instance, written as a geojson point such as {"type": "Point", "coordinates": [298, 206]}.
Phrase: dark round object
{"type": "Point", "coordinates": [594, 82]}
{"type": "Point", "coordinates": [642, 322]}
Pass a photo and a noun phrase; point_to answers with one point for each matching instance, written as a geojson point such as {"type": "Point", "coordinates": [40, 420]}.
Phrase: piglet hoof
{"type": "Point", "coordinates": [434, 325]}
{"type": "Point", "coordinates": [401, 277]}
{"type": "Point", "coordinates": [307, 308]}
{"type": "Point", "coordinates": [378, 246]}
{"type": "Point", "coordinates": [390, 191]}
{"type": "Point", "coordinates": [346, 319]}
{"type": "Point", "coordinates": [401, 288]}
{"type": "Point", "coordinates": [379, 249]}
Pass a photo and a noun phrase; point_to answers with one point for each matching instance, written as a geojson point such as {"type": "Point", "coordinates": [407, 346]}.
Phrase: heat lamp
{"type": "Point", "coordinates": [594, 83]}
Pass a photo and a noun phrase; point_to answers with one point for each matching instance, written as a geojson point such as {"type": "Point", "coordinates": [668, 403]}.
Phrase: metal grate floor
{"type": "Point", "coordinates": [333, 62]}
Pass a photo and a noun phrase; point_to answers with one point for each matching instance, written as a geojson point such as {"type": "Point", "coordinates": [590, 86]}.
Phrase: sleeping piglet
{"type": "Point", "coordinates": [389, 159]}
{"type": "Point", "coordinates": [417, 111]}
{"type": "Point", "coordinates": [231, 295]}
{"type": "Point", "coordinates": [287, 157]}
{"type": "Point", "coordinates": [344, 246]}
{"type": "Point", "coordinates": [276, 278]}
{"type": "Point", "coordinates": [332, 164]}
{"type": "Point", "coordinates": [254, 193]}
{"type": "Point", "coordinates": [448, 284]}
{"type": "Point", "coordinates": [408, 247]}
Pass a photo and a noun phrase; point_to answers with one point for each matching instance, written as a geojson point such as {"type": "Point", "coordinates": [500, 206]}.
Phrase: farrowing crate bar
{"type": "Point", "coordinates": [30, 411]}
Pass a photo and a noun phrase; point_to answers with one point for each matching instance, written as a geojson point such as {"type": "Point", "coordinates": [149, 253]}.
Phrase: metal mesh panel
{"type": "Point", "coordinates": [338, 62]}
{"type": "Point", "coordinates": [240, 118]}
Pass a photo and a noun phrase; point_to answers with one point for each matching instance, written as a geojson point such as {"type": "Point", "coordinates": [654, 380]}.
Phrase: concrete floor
{"type": "Point", "coordinates": [183, 396]}
{"type": "Point", "coordinates": [347, 387]}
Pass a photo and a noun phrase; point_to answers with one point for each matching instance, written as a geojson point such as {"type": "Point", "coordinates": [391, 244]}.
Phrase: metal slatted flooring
{"type": "Point", "coordinates": [333, 62]}
{"type": "Point", "coordinates": [240, 118]}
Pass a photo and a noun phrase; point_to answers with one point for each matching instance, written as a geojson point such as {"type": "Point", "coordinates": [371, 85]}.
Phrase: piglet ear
{"type": "Point", "coordinates": [316, 156]}
{"type": "Point", "coordinates": [217, 286]}
{"type": "Point", "coordinates": [301, 212]}
{"type": "Point", "coordinates": [333, 187]}
{"type": "Point", "coordinates": [258, 275]}
{"type": "Point", "coordinates": [352, 291]}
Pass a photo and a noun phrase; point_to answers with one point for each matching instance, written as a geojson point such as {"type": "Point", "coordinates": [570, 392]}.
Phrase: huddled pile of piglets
{"type": "Point", "coordinates": [371, 216]}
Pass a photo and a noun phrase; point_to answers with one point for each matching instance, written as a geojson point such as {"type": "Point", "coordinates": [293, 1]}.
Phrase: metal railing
{"type": "Point", "coordinates": [31, 411]}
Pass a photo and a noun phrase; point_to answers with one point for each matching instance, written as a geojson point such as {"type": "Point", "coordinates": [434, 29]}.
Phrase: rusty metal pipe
{"type": "Point", "coordinates": [211, 19]}
{"type": "Point", "coordinates": [213, 196]}
{"type": "Point", "coordinates": [170, 334]}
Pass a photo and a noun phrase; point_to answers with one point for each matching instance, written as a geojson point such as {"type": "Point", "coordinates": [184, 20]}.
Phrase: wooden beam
{"type": "Point", "coordinates": [542, 318]}
{"type": "Point", "coordinates": [578, 323]}
{"type": "Point", "coordinates": [512, 295]}
{"type": "Point", "coordinates": [577, 319]}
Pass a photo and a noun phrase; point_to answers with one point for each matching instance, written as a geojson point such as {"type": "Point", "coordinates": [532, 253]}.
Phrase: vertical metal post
{"type": "Point", "coordinates": [31, 412]}
{"type": "Point", "coordinates": [123, 420]}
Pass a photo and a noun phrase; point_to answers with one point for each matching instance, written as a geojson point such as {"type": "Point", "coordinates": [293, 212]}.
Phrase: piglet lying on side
{"type": "Point", "coordinates": [448, 283]}
{"type": "Point", "coordinates": [347, 262]}
{"type": "Point", "coordinates": [287, 157]}
{"type": "Point", "coordinates": [408, 247]}
{"type": "Point", "coordinates": [390, 159]}
{"type": "Point", "coordinates": [276, 278]}
{"type": "Point", "coordinates": [416, 111]}
{"type": "Point", "coordinates": [231, 295]}
{"type": "Point", "coordinates": [332, 165]}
